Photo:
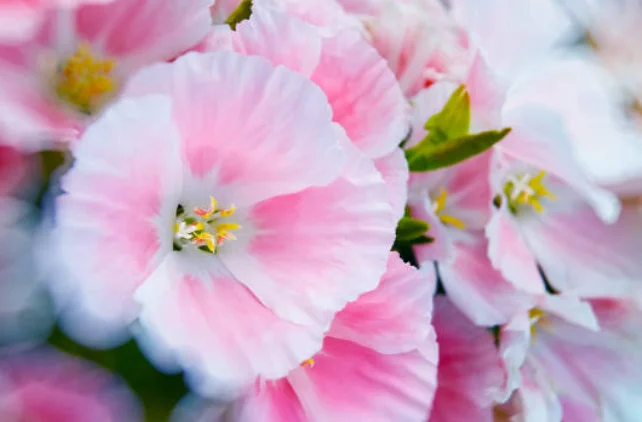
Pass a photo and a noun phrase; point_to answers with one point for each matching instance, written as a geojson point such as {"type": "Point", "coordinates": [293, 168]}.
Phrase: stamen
{"type": "Point", "coordinates": [439, 205]}
{"type": "Point", "coordinates": [204, 228]}
{"type": "Point", "coordinates": [309, 363]}
{"type": "Point", "coordinates": [84, 80]}
{"type": "Point", "coordinates": [526, 190]}
{"type": "Point", "coordinates": [536, 317]}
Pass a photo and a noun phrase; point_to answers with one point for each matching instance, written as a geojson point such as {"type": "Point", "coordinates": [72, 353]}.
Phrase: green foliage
{"type": "Point", "coordinates": [448, 141]}
{"type": "Point", "coordinates": [242, 12]}
{"type": "Point", "coordinates": [410, 229]}
{"type": "Point", "coordinates": [453, 121]}
{"type": "Point", "coordinates": [429, 156]}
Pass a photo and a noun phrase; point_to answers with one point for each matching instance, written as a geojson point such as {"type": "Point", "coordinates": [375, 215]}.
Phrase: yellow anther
{"type": "Point", "coordinates": [229, 211]}
{"type": "Point", "coordinates": [449, 220]}
{"type": "Point", "coordinates": [309, 363]}
{"type": "Point", "coordinates": [439, 205]}
{"type": "Point", "coordinates": [525, 190]}
{"type": "Point", "coordinates": [536, 317]}
{"type": "Point", "coordinates": [84, 81]}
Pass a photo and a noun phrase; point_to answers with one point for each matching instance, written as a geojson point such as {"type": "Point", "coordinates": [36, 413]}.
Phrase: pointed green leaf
{"type": "Point", "coordinates": [453, 121]}
{"type": "Point", "coordinates": [242, 12]}
{"type": "Point", "coordinates": [409, 229]}
{"type": "Point", "coordinates": [427, 156]}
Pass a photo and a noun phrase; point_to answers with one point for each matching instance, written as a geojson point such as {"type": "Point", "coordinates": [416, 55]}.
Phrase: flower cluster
{"type": "Point", "coordinates": [321, 210]}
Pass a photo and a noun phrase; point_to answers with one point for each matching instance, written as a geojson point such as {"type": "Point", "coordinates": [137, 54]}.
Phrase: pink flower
{"type": "Point", "coordinates": [378, 362]}
{"type": "Point", "coordinates": [551, 214]}
{"type": "Point", "coordinates": [457, 203]}
{"type": "Point", "coordinates": [471, 374]}
{"type": "Point", "coordinates": [581, 360]}
{"type": "Point", "coordinates": [56, 81]}
{"type": "Point", "coordinates": [365, 97]}
{"type": "Point", "coordinates": [253, 221]}
{"type": "Point", "coordinates": [419, 39]}
{"type": "Point", "coordinates": [47, 386]}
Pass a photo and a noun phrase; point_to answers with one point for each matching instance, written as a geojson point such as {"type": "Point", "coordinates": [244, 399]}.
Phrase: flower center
{"type": "Point", "coordinates": [84, 80]}
{"type": "Point", "coordinates": [526, 190]}
{"type": "Point", "coordinates": [439, 206]}
{"type": "Point", "coordinates": [207, 229]}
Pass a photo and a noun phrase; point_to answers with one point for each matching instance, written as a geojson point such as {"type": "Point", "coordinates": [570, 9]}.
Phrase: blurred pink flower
{"type": "Point", "coordinates": [576, 361]}
{"type": "Point", "coordinates": [47, 386]}
{"type": "Point", "coordinates": [471, 374]}
{"type": "Point", "coordinates": [419, 39]}
{"type": "Point", "coordinates": [78, 59]}
{"type": "Point", "coordinates": [378, 362]}
{"type": "Point", "coordinates": [253, 221]}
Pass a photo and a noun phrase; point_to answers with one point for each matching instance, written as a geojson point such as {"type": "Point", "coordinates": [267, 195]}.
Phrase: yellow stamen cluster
{"type": "Point", "coordinates": [205, 228]}
{"type": "Point", "coordinates": [439, 206]}
{"type": "Point", "coordinates": [525, 190]}
{"type": "Point", "coordinates": [83, 80]}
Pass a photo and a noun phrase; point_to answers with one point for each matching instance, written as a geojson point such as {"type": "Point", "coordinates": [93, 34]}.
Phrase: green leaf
{"type": "Point", "coordinates": [453, 121]}
{"type": "Point", "coordinates": [242, 12]}
{"type": "Point", "coordinates": [429, 156]}
{"type": "Point", "coordinates": [409, 229]}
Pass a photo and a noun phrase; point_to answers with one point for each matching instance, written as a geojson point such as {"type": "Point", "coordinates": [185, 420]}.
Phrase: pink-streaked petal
{"type": "Point", "coordinates": [350, 382]}
{"type": "Point", "coordinates": [539, 138]}
{"type": "Point", "coordinates": [538, 400]}
{"type": "Point", "coordinates": [19, 19]}
{"type": "Point", "coordinates": [394, 170]}
{"type": "Point", "coordinates": [218, 39]}
{"type": "Point", "coordinates": [471, 372]}
{"type": "Point", "coordinates": [281, 39]}
{"type": "Point", "coordinates": [580, 253]}
{"type": "Point", "coordinates": [217, 327]}
{"type": "Point", "coordinates": [394, 317]}
{"type": "Point", "coordinates": [578, 412]}
{"type": "Point", "coordinates": [364, 94]}
{"type": "Point", "coordinates": [328, 15]}
{"type": "Point", "coordinates": [479, 290]}
{"type": "Point", "coordinates": [114, 222]}
{"type": "Point", "coordinates": [226, 102]}
{"type": "Point", "coordinates": [510, 255]}
{"type": "Point", "coordinates": [142, 32]}
{"type": "Point", "coordinates": [487, 96]}
{"type": "Point", "coordinates": [318, 249]}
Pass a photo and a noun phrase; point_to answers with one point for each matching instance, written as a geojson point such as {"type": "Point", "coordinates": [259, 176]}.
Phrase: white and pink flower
{"type": "Point", "coordinates": [221, 206]}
